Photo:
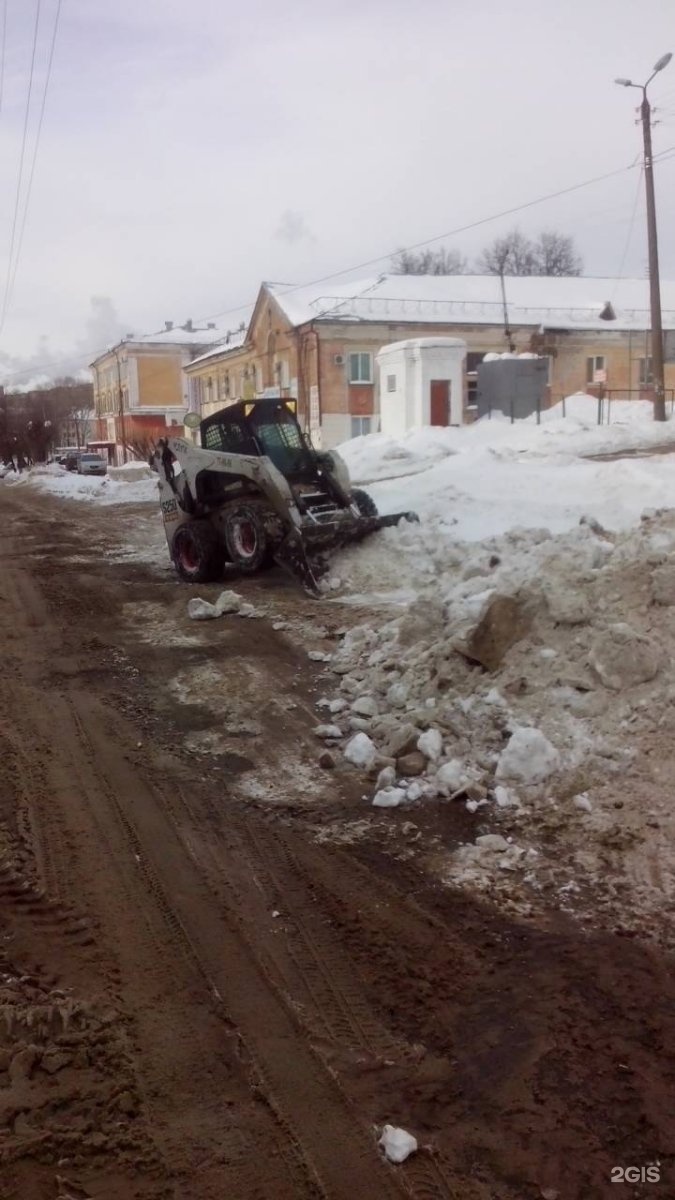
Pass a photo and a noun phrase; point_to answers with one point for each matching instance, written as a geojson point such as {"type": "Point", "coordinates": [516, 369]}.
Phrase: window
{"type": "Point", "coordinates": [473, 358]}
{"type": "Point", "coordinates": [282, 373]}
{"type": "Point", "coordinates": [361, 367]}
{"type": "Point", "coordinates": [391, 383]}
{"type": "Point", "coordinates": [223, 386]}
{"type": "Point", "coordinates": [646, 375]}
{"type": "Point", "coordinates": [596, 362]}
{"type": "Point", "coordinates": [360, 426]}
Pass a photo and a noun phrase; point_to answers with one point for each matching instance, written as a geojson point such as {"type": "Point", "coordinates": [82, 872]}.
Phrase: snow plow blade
{"type": "Point", "coordinates": [301, 554]}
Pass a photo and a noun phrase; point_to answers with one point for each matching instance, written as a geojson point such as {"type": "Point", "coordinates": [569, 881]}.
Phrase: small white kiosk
{"type": "Point", "coordinates": [421, 383]}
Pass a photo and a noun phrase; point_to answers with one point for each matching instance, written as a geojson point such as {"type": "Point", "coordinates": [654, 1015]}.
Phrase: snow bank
{"type": "Point", "coordinates": [105, 489]}
{"type": "Point", "coordinates": [543, 745]}
{"type": "Point", "coordinates": [131, 472]}
{"type": "Point", "coordinates": [627, 425]}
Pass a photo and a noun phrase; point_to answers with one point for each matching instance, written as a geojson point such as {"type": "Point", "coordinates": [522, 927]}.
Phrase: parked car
{"type": "Point", "coordinates": [91, 464]}
{"type": "Point", "coordinates": [70, 461]}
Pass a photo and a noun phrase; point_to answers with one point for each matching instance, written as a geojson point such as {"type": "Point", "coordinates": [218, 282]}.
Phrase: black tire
{"type": "Point", "coordinates": [197, 552]}
{"type": "Point", "coordinates": [364, 502]}
{"type": "Point", "coordinates": [246, 539]}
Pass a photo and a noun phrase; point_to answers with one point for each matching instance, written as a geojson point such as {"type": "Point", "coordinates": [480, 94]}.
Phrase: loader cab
{"type": "Point", "coordinates": [262, 427]}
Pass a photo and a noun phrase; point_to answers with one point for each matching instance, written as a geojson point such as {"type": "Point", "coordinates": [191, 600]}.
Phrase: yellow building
{"type": "Point", "coordinates": [140, 390]}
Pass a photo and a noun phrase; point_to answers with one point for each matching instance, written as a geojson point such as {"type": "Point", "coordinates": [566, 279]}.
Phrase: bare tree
{"type": "Point", "coordinates": [555, 254]}
{"type": "Point", "coordinates": [514, 254]}
{"type": "Point", "coordinates": [32, 422]}
{"type": "Point", "coordinates": [442, 261]}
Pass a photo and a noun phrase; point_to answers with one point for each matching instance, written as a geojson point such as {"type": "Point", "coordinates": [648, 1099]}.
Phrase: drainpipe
{"type": "Point", "coordinates": [120, 400]}
{"type": "Point", "coordinates": [317, 348]}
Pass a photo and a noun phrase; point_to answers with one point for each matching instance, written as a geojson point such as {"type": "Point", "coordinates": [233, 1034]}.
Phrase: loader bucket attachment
{"type": "Point", "coordinates": [298, 553]}
{"type": "Point", "coordinates": [292, 557]}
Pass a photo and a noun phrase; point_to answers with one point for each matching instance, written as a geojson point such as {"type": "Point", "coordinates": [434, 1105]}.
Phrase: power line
{"type": "Point", "coordinates": [2, 52]}
{"type": "Point", "coordinates": [21, 162]}
{"type": "Point", "coordinates": [33, 162]}
{"type": "Point", "coordinates": [507, 212]}
{"type": "Point", "coordinates": [629, 235]}
{"type": "Point", "coordinates": [668, 152]}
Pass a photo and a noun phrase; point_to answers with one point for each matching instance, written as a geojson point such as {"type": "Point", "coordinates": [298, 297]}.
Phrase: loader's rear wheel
{"type": "Point", "coordinates": [246, 540]}
{"type": "Point", "coordinates": [198, 553]}
{"type": "Point", "coordinates": [364, 502]}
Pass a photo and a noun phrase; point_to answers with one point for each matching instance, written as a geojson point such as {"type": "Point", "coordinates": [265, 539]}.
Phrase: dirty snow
{"type": "Point", "coordinates": [134, 486]}
{"type": "Point", "coordinates": [553, 750]}
{"type": "Point", "coordinates": [227, 602]}
{"type": "Point", "coordinates": [397, 1144]}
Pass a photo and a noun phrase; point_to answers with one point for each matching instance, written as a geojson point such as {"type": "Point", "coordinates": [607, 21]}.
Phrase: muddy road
{"type": "Point", "coordinates": [206, 992]}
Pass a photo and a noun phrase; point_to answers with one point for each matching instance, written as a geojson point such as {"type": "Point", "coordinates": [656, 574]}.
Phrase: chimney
{"type": "Point", "coordinates": [188, 325]}
{"type": "Point", "coordinates": [168, 325]}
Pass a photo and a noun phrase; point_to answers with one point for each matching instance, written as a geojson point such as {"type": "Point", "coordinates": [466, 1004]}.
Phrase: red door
{"type": "Point", "coordinates": [440, 401]}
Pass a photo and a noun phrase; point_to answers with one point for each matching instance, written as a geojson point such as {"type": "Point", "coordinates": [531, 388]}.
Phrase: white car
{"type": "Point", "coordinates": [91, 464]}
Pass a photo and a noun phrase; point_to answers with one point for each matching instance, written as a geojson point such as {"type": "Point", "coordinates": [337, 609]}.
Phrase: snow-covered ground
{"type": "Point", "coordinates": [483, 479]}
{"type": "Point", "coordinates": [132, 484]}
{"type": "Point", "coordinates": [478, 480]}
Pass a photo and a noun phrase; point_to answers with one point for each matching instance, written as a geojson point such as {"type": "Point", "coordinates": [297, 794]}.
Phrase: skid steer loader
{"type": "Point", "coordinates": [256, 492]}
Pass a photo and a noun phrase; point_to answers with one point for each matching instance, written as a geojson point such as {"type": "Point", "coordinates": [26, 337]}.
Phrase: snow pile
{"type": "Point", "coordinates": [380, 456]}
{"type": "Point", "coordinates": [98, 489]}
{"type": "Point", "coordinates": [486, 491]}
{"type": "Point", "coordinates": [569, 428]}
{"type": "Point", "coordinates": [517, 683]}
{"type": "Point", "coordinates": [132, 472]}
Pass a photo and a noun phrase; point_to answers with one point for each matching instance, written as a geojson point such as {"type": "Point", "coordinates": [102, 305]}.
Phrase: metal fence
{"type": "Point", "coordinates": [604, 405]}
{"type": "Point", "coordinates": [613, 398]}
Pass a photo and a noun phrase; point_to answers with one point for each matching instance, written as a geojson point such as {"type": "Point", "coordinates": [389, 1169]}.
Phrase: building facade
{"type": "Point", "coordinates": [322, 349]}
{"type": "Point", "coordinates": [140, 390]}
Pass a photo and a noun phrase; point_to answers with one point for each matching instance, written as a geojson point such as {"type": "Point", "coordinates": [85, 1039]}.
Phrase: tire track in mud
{"type": "Point", "coordinates": [56, 734]}
{"type": "Point", "coordinates": [165, 936]}
{"type": "Point", "coordinates": [327, 993]}
{"type": "Point", "coordinates": [321, 994]}
{"type": "Point", "coordinates": [339, 1009]}
{"type": "Point", "coordinates": [308, 1106]}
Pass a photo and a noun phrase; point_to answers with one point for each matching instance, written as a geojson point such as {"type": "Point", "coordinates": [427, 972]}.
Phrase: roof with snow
{"type": "Point", "coordinates": [231, 341]}
{"type": "Point", "coordinates": [179, 336]}
{"type": "Point", "coordinates": [552, 302]}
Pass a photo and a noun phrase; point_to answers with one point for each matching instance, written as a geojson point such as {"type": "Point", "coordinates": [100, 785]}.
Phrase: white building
{"type": "Point", "coordinates": [421, 383]}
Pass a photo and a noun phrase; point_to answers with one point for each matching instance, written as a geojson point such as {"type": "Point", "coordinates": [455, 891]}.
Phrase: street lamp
{"type": "Point", "coordinates": [654, 284]}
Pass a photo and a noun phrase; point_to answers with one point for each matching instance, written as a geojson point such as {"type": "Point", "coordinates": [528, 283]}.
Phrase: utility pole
{"type": "Point", "coordinates": [654, 281]}
{"type": "Point", "coordinates": [658, 381]}
{"type": "Point", "coordinates": [507, 327]}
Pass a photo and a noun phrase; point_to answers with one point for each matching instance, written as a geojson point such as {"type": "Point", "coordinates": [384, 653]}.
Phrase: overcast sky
{"type": "Point", "coordinates": [191, 149]}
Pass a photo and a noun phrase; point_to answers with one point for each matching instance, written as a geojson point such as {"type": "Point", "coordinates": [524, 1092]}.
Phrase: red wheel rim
{"type": "Point", "coordinates": [245, 538]}
{"type": "Point", "coordinates": [187, 555]}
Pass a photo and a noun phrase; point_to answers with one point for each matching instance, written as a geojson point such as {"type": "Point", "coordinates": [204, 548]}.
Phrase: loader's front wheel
{"type": "Point", "coordinates": [198, 553]}
{"type": "Point", "coordinates": [364, 502]}
{"type": "Point", "coordinates": [246, 540]}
